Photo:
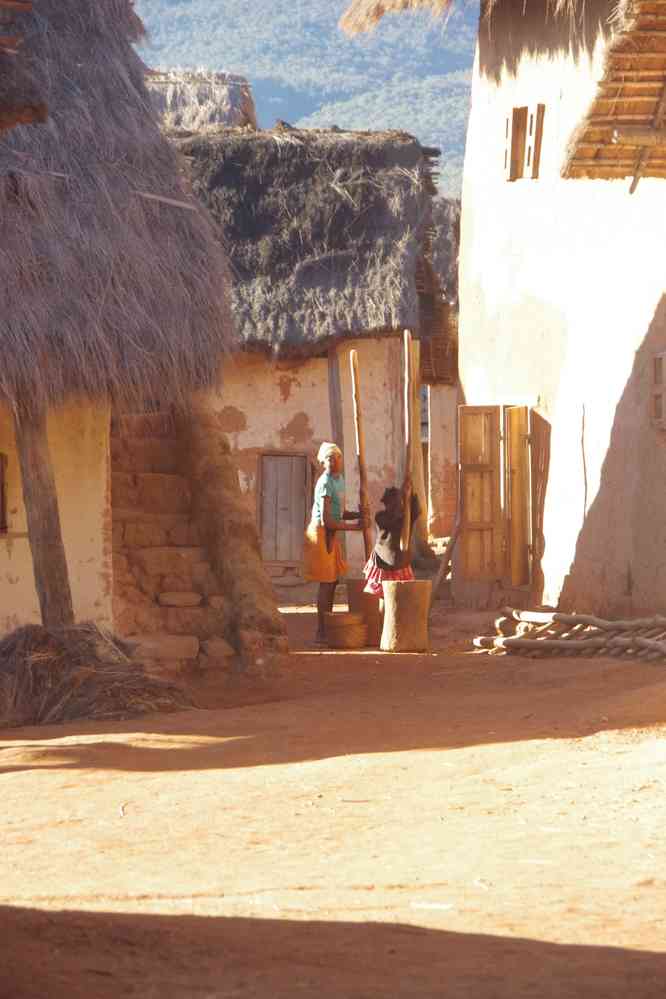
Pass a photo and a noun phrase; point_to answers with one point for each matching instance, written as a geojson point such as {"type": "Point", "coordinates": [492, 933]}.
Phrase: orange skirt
{"type": "Point", "coordinates": [319, 564]}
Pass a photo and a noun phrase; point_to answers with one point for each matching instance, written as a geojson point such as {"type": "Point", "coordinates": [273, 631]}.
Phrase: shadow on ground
{"type": "Point", "coordinates": [335, 704]}
{"type": "Point", "coordinates": [83, 955]}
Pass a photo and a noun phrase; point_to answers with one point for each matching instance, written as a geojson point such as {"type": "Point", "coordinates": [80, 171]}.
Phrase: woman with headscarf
{"type": "Point", "coordinates": [322, 553]}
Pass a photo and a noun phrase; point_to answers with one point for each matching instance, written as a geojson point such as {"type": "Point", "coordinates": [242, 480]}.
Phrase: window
{"type": "Point", "coordinates": [523, 134]}
{"type": "Point", "coordinates": [658, 391]}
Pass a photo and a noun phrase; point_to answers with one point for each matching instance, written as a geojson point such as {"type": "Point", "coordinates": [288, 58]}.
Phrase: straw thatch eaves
{"type": "Point", "coordinates": [323, 229]}
{"type": "Point", "coordinates": [20, 104]}
{"type": "Point", "coordinates": [624, 132]}
{"type": "Point", "coordinates": [363, 15]}
{"type": "Point", "coordinates": [113, 282]}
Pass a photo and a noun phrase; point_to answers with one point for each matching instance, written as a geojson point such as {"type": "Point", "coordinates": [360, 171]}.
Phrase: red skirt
{"type": "Point", "coordinates": [374, 576]}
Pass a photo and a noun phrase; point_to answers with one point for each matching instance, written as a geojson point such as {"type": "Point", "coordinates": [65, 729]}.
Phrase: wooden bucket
{"type": "Point", "coordinates": [367, 605]}
{"type": "Point", "coordinates": [346, 631]}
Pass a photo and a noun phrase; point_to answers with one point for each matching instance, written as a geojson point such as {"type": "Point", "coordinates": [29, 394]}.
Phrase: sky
{"type": "Point", "coordinates": [413, 72]}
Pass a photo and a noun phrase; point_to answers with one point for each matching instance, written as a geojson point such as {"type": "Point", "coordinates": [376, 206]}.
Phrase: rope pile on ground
{"type": "Point", "coordinates": [50, 676]}
{"type": "Point", "coordinates": [543, 633]}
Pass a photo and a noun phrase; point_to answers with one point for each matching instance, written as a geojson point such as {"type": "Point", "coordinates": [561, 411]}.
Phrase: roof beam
{"type": "Point", "coordinates": [638, 135]}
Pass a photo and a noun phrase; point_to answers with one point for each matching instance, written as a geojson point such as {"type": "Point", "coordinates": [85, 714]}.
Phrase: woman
{"type": "Point", "coordinates": [322, 554]}
{"type": "Point", "coordinates": [387, 560]}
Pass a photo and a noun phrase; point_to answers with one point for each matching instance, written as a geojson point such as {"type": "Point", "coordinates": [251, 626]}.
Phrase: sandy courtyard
{"type": "Point", "coordinates": [361, 825]}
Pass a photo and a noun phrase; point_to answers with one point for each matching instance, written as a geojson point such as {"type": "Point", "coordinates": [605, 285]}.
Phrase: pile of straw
{"type": "Point", "coordinates": [50, 676]}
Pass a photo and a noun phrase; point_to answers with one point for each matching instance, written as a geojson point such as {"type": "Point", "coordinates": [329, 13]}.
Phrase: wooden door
{"type": "Point", "coordinates": [283, 501]}
{"type": "Point", "coordinates": [517, 494]}
{"type": "Point", "coordinates": [481, 541]}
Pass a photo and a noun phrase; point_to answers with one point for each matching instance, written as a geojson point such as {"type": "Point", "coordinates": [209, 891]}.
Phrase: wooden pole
{"type": "Point", "coordinates": [364, 501]}
{"type": "Point", "coordinates": [41, 506]}
{"type": "Point", "coordinates": [335, 398]}
{"type": "Point", "coordinates": [408, 377]}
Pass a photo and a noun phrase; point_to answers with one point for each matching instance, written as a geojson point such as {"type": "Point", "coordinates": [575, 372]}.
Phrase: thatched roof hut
{"type": "Point", "coordinates": [113, 283]}
{"type": "Point", "coordinates": [324, 231]}
{"type": "Point", "coordinates": [197, 100]}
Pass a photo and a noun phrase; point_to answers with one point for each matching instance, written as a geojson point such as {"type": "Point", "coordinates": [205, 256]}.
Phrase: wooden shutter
{"type": "Point", "coordinates": [533, 137]}
{"type": "Point", "coordinates": [481, 541]}
{"type": "Point", "coordinates": [515, 140]}
{"type": "Point", "coordinates": [517, 493]}
{"type": "Point", "coordinates": [283, 506]}
{"type": "Point", "coordinates": [540, 467]}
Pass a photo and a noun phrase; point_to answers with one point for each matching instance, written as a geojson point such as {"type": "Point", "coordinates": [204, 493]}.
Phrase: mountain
{"type": "Point", "coordinates": [411, 73]}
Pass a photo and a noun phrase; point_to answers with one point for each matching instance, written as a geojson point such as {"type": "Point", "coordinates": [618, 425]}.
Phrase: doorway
{"type": "Point", "coordinates": [284, 485]}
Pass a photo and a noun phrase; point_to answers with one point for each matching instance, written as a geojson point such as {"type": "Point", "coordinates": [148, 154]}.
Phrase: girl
{"type": "Point", "coordinates": [322, 554]}
{"type": "Point", "coordinates": [387, 560]}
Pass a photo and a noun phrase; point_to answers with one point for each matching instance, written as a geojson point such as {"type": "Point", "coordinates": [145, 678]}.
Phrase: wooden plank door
{"type": "Point", "coordinates": [482, 536]}
{"type": "Point", "coordinates": [283, 506]}
{"type": "Point", "coordinates": [517, 494]}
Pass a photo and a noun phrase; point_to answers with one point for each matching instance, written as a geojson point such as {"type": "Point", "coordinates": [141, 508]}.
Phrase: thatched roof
{"type": "Point", "coordinates": [103, 289]}
{"type": "Point", "coordinates": [323, 230]}
{"type": "Point", "coordinates": [201, 99]}
{"type": "Point", "coordinates": [622, 134]}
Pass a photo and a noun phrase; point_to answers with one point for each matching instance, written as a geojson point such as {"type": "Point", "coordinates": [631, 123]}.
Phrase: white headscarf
{"type": "Point", "coordinates": [326, 450]}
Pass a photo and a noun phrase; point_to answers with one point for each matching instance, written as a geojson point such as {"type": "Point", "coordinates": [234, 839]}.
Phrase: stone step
{"type": "Point", "coordinates": [136, 615]}
{"type": "Point", "coordinates": [138, 529]}
{"type": "Point", "coordinates": [154, 492]}
{"type": "Point", "coordinates": [165, 646]}
{"type": "Point", "coordinates": [143, 425]}
{"type": "Point", "coordinates": [145, 454]}
{"type": "Point", "coordinates": [203, 622]}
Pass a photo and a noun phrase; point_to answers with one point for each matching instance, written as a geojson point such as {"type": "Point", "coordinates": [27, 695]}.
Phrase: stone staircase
{"type": "Point", "coordinates": [167, 598]}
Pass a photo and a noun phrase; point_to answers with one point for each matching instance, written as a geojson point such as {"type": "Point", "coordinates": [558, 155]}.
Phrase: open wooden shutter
{"type": "Point", "coordinates": [517, 493]}
{"type": "Point", "coordinates": [481, 540]}
{"type": "Point", "coordinates": [533, 138]}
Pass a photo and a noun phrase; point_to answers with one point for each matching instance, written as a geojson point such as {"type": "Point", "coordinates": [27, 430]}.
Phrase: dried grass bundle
{"type": "Point", "coordinates": [50, 676]}
{"type": "Point", "coordinates": [113, 282]}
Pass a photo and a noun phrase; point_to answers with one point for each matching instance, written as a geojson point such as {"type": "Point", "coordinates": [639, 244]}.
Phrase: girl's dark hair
{"type": "Point", "coordinates": [392, 493]}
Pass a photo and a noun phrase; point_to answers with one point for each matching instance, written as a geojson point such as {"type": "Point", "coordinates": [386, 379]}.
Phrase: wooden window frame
{"type": "Point", "coordinates": [276, 453]}
{"type": "Point", "coordinates": [523, 138]}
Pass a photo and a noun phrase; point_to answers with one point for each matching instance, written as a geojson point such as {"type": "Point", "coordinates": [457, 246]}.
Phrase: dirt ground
{"type": "Point", "coordinates": [360, 825]}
